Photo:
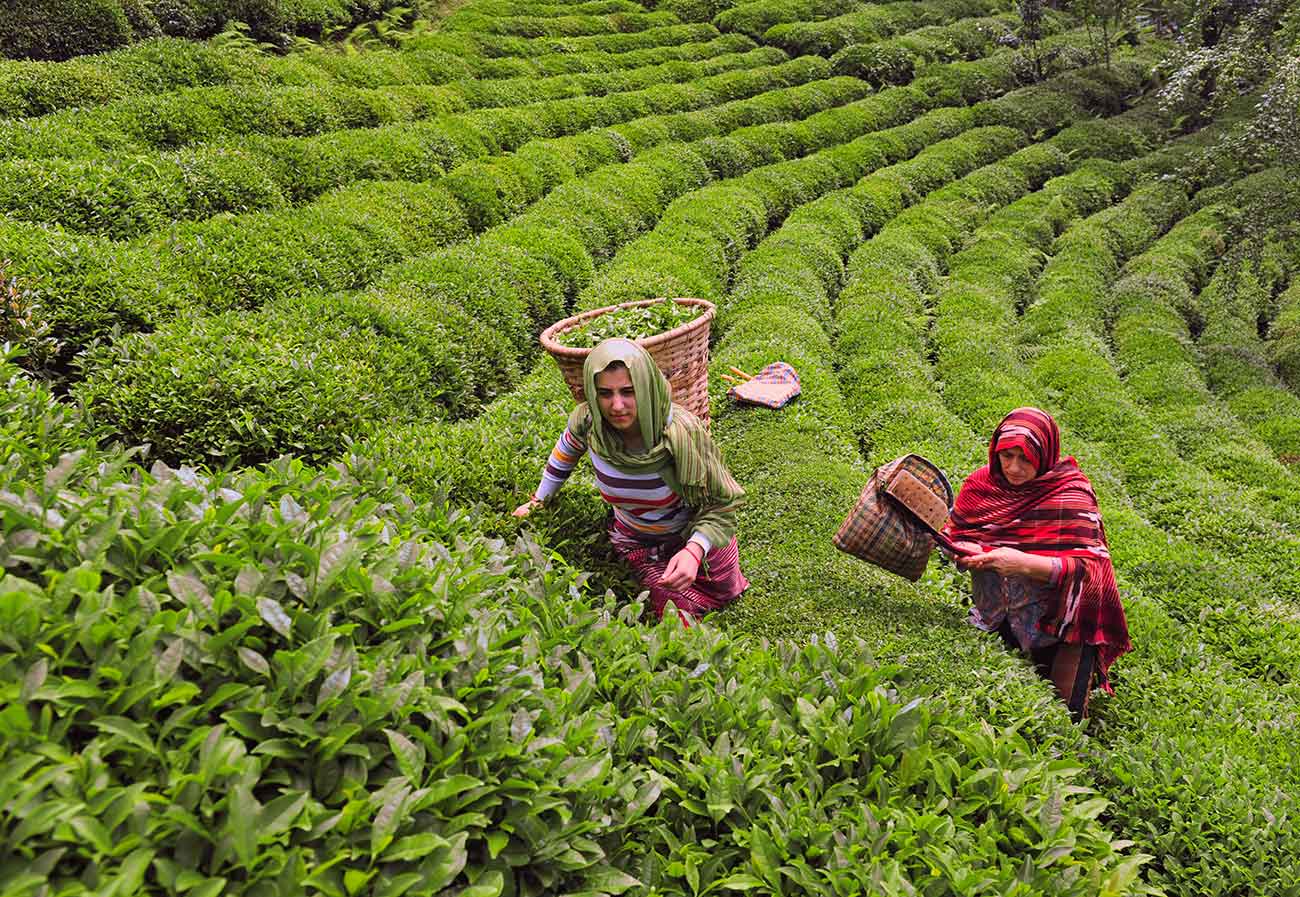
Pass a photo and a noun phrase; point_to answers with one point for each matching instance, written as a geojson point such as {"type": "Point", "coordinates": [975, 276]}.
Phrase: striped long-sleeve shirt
{"type": "Point", "coordinates": [643, 503]}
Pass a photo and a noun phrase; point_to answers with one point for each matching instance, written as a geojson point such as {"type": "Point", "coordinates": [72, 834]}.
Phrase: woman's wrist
{"type": "Point", "coordinates": [696, 550]}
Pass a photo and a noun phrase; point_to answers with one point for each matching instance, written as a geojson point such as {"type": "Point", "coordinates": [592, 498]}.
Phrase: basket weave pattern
{"type": "Point", "coordinates": [681, 353]}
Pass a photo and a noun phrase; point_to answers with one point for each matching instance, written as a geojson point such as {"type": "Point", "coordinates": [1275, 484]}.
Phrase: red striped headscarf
{"type": "Point", "coordinates": [1056, 515]}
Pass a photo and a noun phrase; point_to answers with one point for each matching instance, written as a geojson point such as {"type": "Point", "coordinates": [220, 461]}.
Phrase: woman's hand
{"type": "Point", "coordinates": [683, 568]}
{"type": "Point", "coordinates": [964, 551]}
{"type": "Point", "coordinates": [1012, 562]}
{"type": "Point", "coordinates": [527, 507]}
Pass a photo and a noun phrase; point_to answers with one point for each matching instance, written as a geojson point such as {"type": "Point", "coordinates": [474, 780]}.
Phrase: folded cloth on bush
{"type": "Point", "coordinates": [772, 387]}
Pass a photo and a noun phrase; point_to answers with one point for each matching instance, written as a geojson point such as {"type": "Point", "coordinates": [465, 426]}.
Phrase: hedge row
{"type": "Point", "coordinates": [152, 67]}
{"type": "Point", "coordinates": [756, 17]}
{"type": "Point", "coordinates": [462, 332]}
{"type": "Point", "coordinates": [1152, 315]}
{"type": "Point", "coordinates": [694, 249]}
{"type": "Point", "coordinates": [300, 706]}
{"type": "Point", "coordinates": [533, 8]}
{"type": "Point", "coordinates": [524, 25]}
{"type": "Point", "coordinates": [1199, 830]}
{"type": "Point", "coordinates": [895, 61]}
{"type": "Point", "coordinates": [471, 43]}
{"type": "Point", "coordinates": [873, 23]}
{"type": "Point", "coordinates": [1235, 358]}
{"type": "Point", "coordinates": [342, 240]}
{"type": "Point", "coordinates": [1284, 338]}
{"type": "Point", "coordinates": [884, 346]}
{"type": "Point", "coordinates": [32, 29]}
{"type": "Point", "coordinates": [125, 196]}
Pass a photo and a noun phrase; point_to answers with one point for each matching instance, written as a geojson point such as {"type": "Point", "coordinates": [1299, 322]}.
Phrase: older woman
{"type": "Point", "coordinates": [674, 501]}
{"type": "Point", "coordinates": [1028, 527]}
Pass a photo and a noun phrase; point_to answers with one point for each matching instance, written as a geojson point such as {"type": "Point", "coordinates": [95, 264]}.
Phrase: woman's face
{"type": "Point", "coordinates": [1015, 466]}
{"type": "Point", "coordinates": [617, 398]}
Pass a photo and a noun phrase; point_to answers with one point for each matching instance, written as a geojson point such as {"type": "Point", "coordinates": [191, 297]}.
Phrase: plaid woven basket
{"type": "Point", "coordinates": [893, 525]}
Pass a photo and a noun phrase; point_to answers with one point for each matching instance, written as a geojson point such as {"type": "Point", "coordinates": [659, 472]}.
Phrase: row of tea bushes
{"type": "Point", "coordinates": [896, 60]}
{"type": "Point", "coordinates": [466, 337]}
{"type": "Point", "coordinates": [334, 243]}
{"type": "Point", "coordinates": [1234, 356]}
{"type": "Point", "coordinates": [472, 44]}
{"type": "Point", "coordinates": [757, 16]}
{"type": "Point", "coordinates": [1284, 337]}
{"type": "Point", "coordinates": [1152, 311]}
{"type": "Point", "coordinates": [577, 25]}
{"type": "Point", "coordinates": [462, 333]}
{"type": "Point", "coordinates": [873, 23]}
{"type": "Point", "coordinates": [313, 681]}
{"type": "Point", "coordinates": [545, 8]}
{"type": "Point", "coordinates": [123, 196]}
{"type": "Point", "coordinates": [153, 67]}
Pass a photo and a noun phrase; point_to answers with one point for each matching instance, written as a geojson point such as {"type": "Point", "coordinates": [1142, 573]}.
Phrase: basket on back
{"type": "Point", "coordinates": [681, 353]}
{"type": "Point", "coordinates": [900, 511]}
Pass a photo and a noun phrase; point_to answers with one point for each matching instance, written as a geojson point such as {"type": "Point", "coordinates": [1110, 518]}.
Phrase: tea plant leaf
{"type": "Point", "coordinates": [333, 560]}
{"type": "Point", "coordinates": [447, 863]}
{"type": "Point", "coordinates": [57, 475]}
{"type": "Point", "coordinates": [126, 729]}
{"type": "Point", "coordinates": [584, 770]}
{"type": "Point", "coordinates": [280, 814]}
{"type": "Point", "coordinates": [398, 884]}
{"type": "Point", "coordinates": [190, 590]}
{"type": "Point", "coordinates": [248, 581]}
{"type": "Point", "coordinates": [741, 882]}
{"type": "Point", "coordinates": [270, 610]}
{"type": "Point", "coordinates": [242, 812]}
{"type": "Point", "coordinates": [644, 799]}
{"type": "Point", "coordinates": [334, 684]}
{"type": "Point", "coordinates": [254, 661]}
{"type": "Point", "coordinates": [170, 660]}
{"type": "Point", "coordinates": [449, 787]}
{"type": "Point", "coordinates": [387, 820]}
{"type": "Point", "coordinates": [609, 880]}
{"type": "Point", "coordinates": [414, 847]}
{"type": "Point", "coordinates": [291, 511]}
{"type": "Point", "coordinates": [34, 679]}
{"type": "Point", "coordinates": [521, 724]}
{"type": "Point", "coordinates": [410, 756]}
{"type": "Point", "coordinates": [490, 885]}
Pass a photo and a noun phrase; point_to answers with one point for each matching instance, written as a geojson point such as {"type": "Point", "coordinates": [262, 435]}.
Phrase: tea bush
{"type": "Point", "coordinates": [861, 26]}
{"type": "Point", "coordinates": [526, 25]}
{"type": "Point", "coordinates": [895, 61]}
{"type": "Point", "coordinates": [756, 17]}
{"type": "Point", "coordinates": [35, 30]}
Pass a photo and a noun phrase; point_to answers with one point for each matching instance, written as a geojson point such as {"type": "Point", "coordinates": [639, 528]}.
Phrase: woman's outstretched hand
{"type": "Point", "coordinates": [527, 507]}
{"type": "Point", "coordinates": [681, 570]}
{"type": "Point", "coordinates": [1010, 562]}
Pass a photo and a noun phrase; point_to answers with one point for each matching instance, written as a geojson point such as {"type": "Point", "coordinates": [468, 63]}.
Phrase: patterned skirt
{"type": "Point", "coordinates": [719, 583]}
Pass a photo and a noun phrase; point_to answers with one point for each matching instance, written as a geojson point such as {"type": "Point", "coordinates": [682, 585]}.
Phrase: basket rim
{"type": "Point", "coordinates": [572, 353]}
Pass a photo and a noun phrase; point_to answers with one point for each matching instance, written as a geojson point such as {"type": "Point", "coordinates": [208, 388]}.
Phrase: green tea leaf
{"type": "Point", "coordinates": [190, 590]}
{"type": "Point", "coordinates": [413, 847]}
{"type": "Point", "coordinates": [254, 661]}
{"type": "Point", "coordinates": [410, 756]}
{"type": "Point", "coordinates": [489, 885]}
{"type": "Point", "coordinates": [126, 729]}
{"type": "Point", "coordinates": [334, 685]}
{"type": "Point", "coordinates": [270, 610]}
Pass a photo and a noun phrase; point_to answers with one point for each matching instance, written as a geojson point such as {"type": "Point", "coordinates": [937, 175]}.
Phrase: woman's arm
{"type": "Point", "coordinates": [564, 457]}
{"type": "Point", "coordinates": [1013, 562]}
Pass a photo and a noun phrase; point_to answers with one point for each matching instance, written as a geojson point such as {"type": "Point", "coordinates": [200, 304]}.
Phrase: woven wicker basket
{"type": "Point", "coordinates": [681, 353]}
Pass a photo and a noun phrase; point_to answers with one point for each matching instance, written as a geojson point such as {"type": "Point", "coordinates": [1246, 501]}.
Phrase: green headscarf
{"type": "Point", "coordinates": [676, 445]}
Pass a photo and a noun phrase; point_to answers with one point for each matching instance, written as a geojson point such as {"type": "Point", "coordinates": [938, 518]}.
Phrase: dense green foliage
{"type": "Point", "coordinates": [348, 671]}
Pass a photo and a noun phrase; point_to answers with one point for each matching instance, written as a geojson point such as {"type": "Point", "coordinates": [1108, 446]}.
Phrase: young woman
{"type": "Point", "coordinates": [1028, 527]}
{"type": "Point", "coordinates": [673, 500]}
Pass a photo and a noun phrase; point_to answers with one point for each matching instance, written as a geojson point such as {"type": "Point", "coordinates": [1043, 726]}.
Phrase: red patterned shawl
{"type": "Point", "coordinates": [1056, 515]}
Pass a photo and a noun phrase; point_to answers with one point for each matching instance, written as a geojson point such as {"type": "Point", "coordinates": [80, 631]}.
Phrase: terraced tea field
{"type": "Point", "coordinates": [297, 645]}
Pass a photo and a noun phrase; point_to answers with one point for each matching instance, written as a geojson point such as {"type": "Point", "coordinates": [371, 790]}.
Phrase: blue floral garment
{"type": "Point", "coordinates": [1019, 601]}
